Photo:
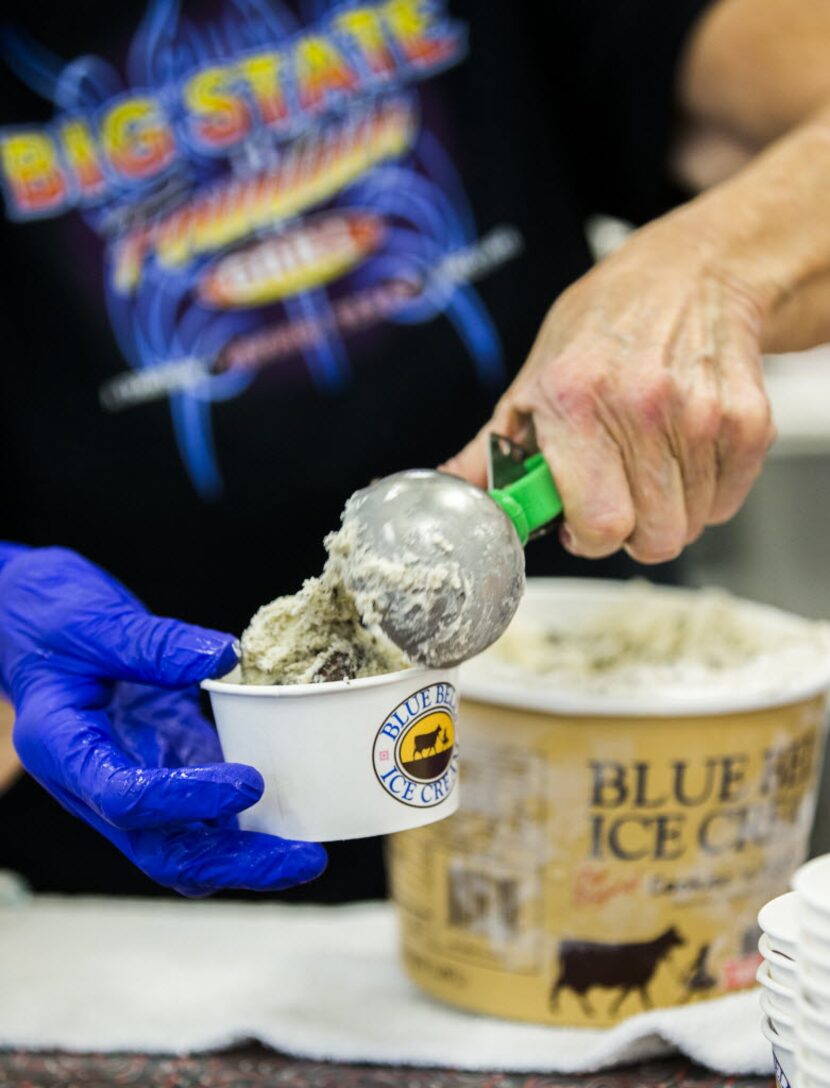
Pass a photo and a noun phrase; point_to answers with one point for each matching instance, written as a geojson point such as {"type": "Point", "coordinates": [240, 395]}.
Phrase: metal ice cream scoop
{"type": "Point", "coordinates": [439, 563]}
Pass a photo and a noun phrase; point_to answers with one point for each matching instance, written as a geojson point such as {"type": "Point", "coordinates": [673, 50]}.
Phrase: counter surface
{"type": "Point", "coordinates": [254, 1067]}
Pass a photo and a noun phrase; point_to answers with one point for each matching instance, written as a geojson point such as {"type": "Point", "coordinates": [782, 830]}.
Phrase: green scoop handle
{"type": "Point", "coordinates": [532, 501]}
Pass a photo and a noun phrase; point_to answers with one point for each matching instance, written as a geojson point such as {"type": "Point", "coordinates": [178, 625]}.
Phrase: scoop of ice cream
{"type": "Point", "coordinates": [425, 568]}
{"type": "Point", "coordinates": [314, 636]}
{"type": "Point", "coordinates": [433, 562]}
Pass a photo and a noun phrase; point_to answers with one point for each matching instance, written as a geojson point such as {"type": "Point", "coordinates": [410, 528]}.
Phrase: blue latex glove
{"type": "Point", "coordinates": [108, 721]}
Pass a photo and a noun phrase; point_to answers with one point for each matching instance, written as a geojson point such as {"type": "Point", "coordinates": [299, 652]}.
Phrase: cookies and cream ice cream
{"type": "Point", "coordinates": [316, 635]}
{"type": "Point", "coordinates": [652, 641]}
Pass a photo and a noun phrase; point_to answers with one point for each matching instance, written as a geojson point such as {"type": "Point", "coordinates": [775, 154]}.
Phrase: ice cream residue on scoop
{"type": "Point", "coordinates": [401, 592]}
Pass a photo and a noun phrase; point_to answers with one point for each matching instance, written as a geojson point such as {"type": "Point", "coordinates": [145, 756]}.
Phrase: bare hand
{"type": "Point", "coordinates": [644, 391]}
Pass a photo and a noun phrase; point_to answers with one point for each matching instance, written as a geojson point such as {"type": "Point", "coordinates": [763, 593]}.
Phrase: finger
{"type": "Point", "coordinates": [587, 465]}
{"type": "Point", "coordinates": [747, 432]}
{"type": "Point", "coordinates": [71, 751]}
{"type": "Point", "coordinates": [161, 728]}
{"type": "Point", "coordinates": [471, 462]}
{"type": "Point", "coordinates": [699, 486]}
{"type": "Point", "coordinates": [140, 797]}
{"type": "Point", "coordinates": [9, 551]}
{"type": "Point", "coordinates": [694, 443]}
{"type": "Point", "coordinates": [148, 649]}
{"type": "Point", "coordinates": [599, 512]}
{"type": "Point", "coordinates": [198, 861]}
{"type": "Point", "coordinates": [640, 419]}
{"type": "Point", "coordinates": [657, 488]}
{"type": "Point", "coordinates": [619, 480]}
{"type": "Point", "coordinates": [99, 627]}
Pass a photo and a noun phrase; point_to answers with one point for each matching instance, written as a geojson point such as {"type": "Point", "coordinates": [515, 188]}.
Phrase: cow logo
{"type": "Point", "coordinates": [584, 965]}
{"type": "Point", "coordinates": [415, 755]}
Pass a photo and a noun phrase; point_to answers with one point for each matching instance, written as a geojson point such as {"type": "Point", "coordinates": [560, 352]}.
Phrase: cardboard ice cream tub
{"type": "Point", "coordinates": [344, 759]}
{"type": "Point", "coordinates": [612, 849]}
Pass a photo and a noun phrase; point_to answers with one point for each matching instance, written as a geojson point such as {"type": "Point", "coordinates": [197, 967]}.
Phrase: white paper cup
{"type": "Point", "coordinates": [813, 1069]}
{"type": "Point", "coordinates": [812, 883]}
{"type": "Point", "coordinates": [813, 1035]}
{"type": "Point", "coordinates": [814, 928]}
{"type": "Point", "coordinates": [782, 998]}
{"type": "Point", "coordinates": [783, 1057]}
{"type": "Point", "coordinates": [784, 976]}
{"type": "Point", "coordinates": [780, 1010]}
{"type": "Point", "coordinates": [817, 996]}
{"type": "Point", "coordinates": [815, 949]}
{"type": "Point", "coordinates": [811, 1075]}
{"type": "Point", "coordinates": [815, 944]}
{"type": "Point", "coordinates": [813, 1056]}
{"type": "Point", "coordinates": [781, 968]}
{"type": "Point", "coordinates": [813, 952]}
{"type": "Point", "coordinates": [772, 954]}
{"type": "Point", "coordinates": [779, 920]}
{"type": "Point", "coordinates": [346, 759]}
{"type": "Point", "coordinates": [784, 1025]}
{"type": "Point", "coordinates": [818, 919]}
{"type": "Point", "coordinates": [811, 1078]}
{"type": "Point", "coordinates": [814, 973]}
{"type": "Point", "coordinates": [818, 1000]}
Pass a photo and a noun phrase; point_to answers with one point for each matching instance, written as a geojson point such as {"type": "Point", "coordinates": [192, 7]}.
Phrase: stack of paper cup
{"type": "Point", "coordinates": [812, 885]}
{"type": "Point", "coordinates": [779, 980]}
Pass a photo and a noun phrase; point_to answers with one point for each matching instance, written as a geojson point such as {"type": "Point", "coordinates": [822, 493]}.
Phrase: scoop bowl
{"type": "Point", "coordinates": [434, 562]}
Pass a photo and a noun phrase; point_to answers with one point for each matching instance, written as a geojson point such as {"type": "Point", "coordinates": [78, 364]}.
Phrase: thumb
{"type": "Point", "coordinates": [471, 463]}
{"type": "Point", "coordinates": [147, 649]}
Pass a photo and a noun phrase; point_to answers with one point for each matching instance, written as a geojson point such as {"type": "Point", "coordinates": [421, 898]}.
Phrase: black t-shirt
{"type": "Point", "coordinates": [258, 253]}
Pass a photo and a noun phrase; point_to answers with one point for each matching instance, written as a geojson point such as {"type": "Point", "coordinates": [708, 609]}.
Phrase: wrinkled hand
{"type": "Point", "coordinates": [108, 722]}
{"type": "Point", "coordinates": [645, 393]}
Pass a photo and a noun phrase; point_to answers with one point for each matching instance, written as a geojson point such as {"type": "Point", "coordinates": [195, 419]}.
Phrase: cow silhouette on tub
{"type": "Point", "coordinates": [623, 967]}
{"type": "Point", "coordinates": [426, 742]}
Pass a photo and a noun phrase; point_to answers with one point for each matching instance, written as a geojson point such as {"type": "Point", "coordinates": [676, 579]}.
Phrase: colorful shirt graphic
{"type": "Point", "coordinates": [264, 187]}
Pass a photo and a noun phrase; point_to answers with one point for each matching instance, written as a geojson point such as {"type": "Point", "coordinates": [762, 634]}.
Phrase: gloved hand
{"type": "Point", "coordinates": [108, 721]}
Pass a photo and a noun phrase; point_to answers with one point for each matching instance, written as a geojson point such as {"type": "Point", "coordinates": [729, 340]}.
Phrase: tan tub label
{"type": "Point", "coordinates": [599, 867]}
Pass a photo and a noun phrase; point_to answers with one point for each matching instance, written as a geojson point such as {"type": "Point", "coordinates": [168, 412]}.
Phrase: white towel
{"type": "Point", "coordinates": [315, 982]}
